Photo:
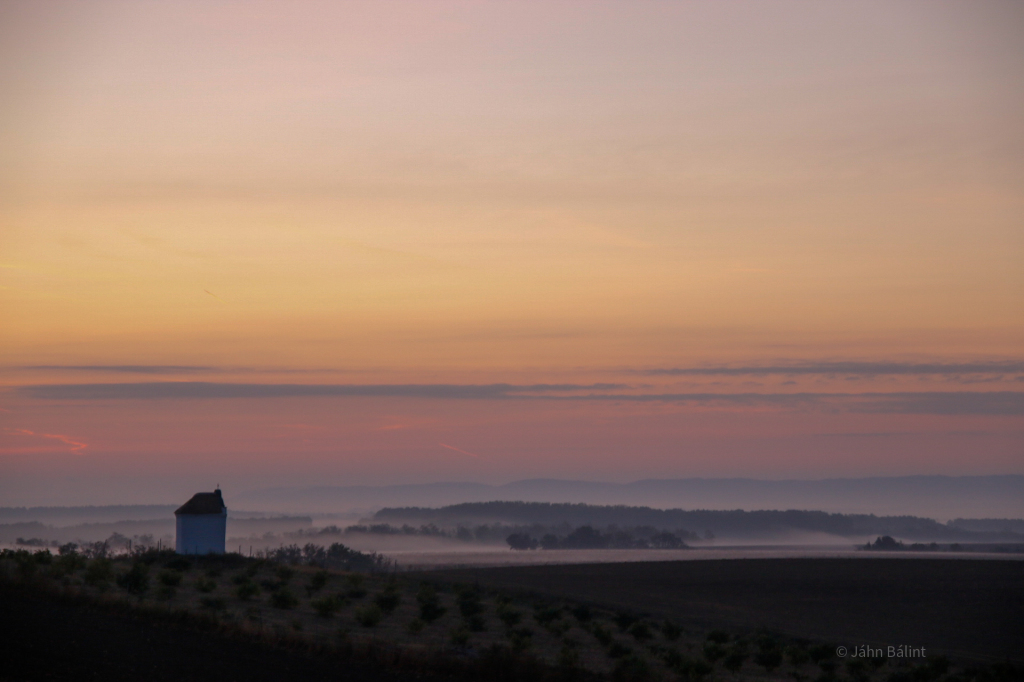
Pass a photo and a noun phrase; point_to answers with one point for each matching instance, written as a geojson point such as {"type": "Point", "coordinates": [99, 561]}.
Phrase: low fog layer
{"type": "Point", "coordinates": [43, 531]}
{"type": "Point", "coordinates": [937, 497]}
{"type": "Point", "coordinates": [493, 528]}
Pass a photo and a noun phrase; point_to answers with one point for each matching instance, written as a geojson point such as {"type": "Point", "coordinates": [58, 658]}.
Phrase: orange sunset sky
{"type": "Point", "coordinates": [291, 243]}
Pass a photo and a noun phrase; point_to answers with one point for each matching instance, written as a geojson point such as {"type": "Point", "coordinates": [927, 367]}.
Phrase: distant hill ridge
{"type": "Point", "coordinates": [731, 523]}
{"type": "Point", "coordinates": [942, 497]}
{"type": "Point", "coordinates": [102, 513]}
{"type": "Point", "coordinates": [112, 512]}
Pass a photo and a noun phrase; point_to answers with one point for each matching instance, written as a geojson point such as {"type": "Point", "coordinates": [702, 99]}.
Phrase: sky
{"type": "Point", "coordinates": [291, 243]}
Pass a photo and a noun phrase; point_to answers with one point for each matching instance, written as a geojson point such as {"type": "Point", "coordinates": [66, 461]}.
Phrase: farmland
{"type": "Point", "coordinates": [696, 620]}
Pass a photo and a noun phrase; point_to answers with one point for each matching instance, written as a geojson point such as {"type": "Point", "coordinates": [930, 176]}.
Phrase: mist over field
{"type": "Point", "coordinates": [940, 497]}
{"type": "Point", "coordinates": [574, 521]}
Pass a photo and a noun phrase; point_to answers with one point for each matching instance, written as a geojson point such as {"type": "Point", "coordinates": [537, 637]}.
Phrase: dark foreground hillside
{"type": "Point", "coordinates": [964, 608]}
{"type": "Point", "coordinates": [48, 638]}
{"type": "Point", "coordinates": [154, 615]}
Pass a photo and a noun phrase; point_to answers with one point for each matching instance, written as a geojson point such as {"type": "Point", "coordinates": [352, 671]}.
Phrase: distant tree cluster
{"type": "Point", "coordinates": [889, 544]}
{"type": "Point", "coordinates": [587, 537]}
{"type": "Point", "coordinates": [428, 529]}
{"type": "Point", "coordinates": [336, 556]}
{"type": "Point", "coordinates": [718, 522]}
{"type": "Point", "coordinates": [36, 542]}
{"type": "Point", "coordinates": [115, 544]}
{"type": "Point", "coordinates": [556, 536]}
{"type": "Point", "coordinates": [885, 543]}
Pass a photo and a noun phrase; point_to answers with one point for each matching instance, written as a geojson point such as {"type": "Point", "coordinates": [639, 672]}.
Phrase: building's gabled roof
{"type": "Point", "coordinates": [203, 503]}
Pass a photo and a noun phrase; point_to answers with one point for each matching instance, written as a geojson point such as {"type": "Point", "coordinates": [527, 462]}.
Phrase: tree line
{"type": "Point", "coordinates": [587, 537]}
{"type": "Point", "coordinates": [735, 522]}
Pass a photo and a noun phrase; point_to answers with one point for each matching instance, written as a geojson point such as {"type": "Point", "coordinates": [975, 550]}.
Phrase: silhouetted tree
{"type": "Point", "coordinates": [884, 543]}
{"type": "Point", "coordinates": [585, 537]}
{"type": "Point", "coordinates": [550, 541]}
{"type": "Point", "coordinates": [521, 541]}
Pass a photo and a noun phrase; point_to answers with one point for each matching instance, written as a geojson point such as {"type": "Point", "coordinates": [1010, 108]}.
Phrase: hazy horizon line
{"type": "Point", "coordinates": [902, 402]}
{"type": "Point", "coordinates": [802, 367]}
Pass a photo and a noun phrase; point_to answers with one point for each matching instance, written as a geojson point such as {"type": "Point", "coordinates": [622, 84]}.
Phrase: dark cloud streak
{"type": "Point", "coordinates": [850, 367]}
{"type": "Point", "coordinates": [205, 389]}
{"type": "Point", "coordinates": [128, 369]}
{"type": "Point", "coordinates": [177, 369]}
{"type": "Point", "coordinates": [942, 403]}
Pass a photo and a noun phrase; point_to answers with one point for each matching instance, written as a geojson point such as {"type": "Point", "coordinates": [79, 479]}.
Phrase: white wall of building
{"type": "Point", "coordinates": [201, 533]}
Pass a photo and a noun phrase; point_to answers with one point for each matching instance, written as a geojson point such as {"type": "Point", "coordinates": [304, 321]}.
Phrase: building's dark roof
{"type": "Point", "coordinates": [203, 503]}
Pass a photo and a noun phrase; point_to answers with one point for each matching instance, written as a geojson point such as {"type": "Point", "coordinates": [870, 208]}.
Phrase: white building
{"type": "Point", "coordinates": [201, 524]}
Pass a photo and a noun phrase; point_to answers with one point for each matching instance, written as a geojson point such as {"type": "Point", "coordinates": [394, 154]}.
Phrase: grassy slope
{"type": "Point", "coordinates": [87, 623]}
{"type": "Point", "coordinates": [963, 607]}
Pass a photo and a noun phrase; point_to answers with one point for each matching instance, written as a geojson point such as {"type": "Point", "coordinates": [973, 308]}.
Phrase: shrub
{"type": "Point", "coordinates": [165, 593]}
{"type": "Point", "coordinates": [459, 636]}
{"type": "Point", "coordinates": [388, 599]}
{"type": "Point", "coordinates": [520, 639]}
{"type": "Point", "coordinates": [213, 603]}
{"type": "Point", "coordinates": [475, 623]}
{"type": "Point", "coordinates": [206, 585]}
{"type": "Point", "coordinates": [169, 578]}
{"type": "Point", "coordinates": [641, 631]}
{"type": "Point", "coordinates": [508, 615]}
{"type": "Point", "coordinates": [797, 655]}
{"type": "Point", "coordinates": [469, 602]}
{"type": "Point", "coordinates": [430, 607]}
{"type": "Point", "coordinates": [624, 620]}
{"type": "Point", "coordinates": [136, 580]}
{"type": "Point", "coordinates": [858, 670]}
{"type": "Point", "coordinates": [671, 631]}
{"type": "Point", "coordinates": [769, 659]}
{"type": "Point", "coordinates": [631, 668]}
{"type": "Point", "coordinates": [821, 652]}
{"type": "Point", "coordinates": [713, 652]}
{"type": "Point", "coordinates": [326, 607]}
{"type": "Point", "coordinates": [96, 550]}
{"type": "Point", "coordinates": [687, 668]}
{"type": "Point", "coordinates": [698, 670]}
{"type": "Point", "coordinates": [544, 614]}
{"type": "Point", "coordinates": [582, 613]}
{"type": "Point", "coordinates": [369, 616]}
{"type": "Point", "coordinates": [618, 650]}
{"type": "Point", "coordinates": [569, 656]}
{"type": "Point", "coordinates": [99, 571]}
{"type": "Point", "coordinates": [938, 665]}
{"type": "Point", "coordinates": [718, 637]}
{"type": "Point", "coordinates": [283, 599]}
{"type": "Point", "coordinates": [355, 586]}
{"type": "Point", "coordinates": [284, 573]}
{"type": "Point", "coordinates": [247, 590]}
{"type": "Point", "coordinates": [317, 582]}
{"type": "Point", "coordinates": [68, 561]}
{"type": "Point", "coordinates": [179, 563]}
{"type": "Point", "coordinates": [602, 635]}
{"type": "Point", "coordinates": [416, 626]}
{"type": "Point", "coordinates": [558, 627]}
{"type": "Point", "coordinates": [734, 659]}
